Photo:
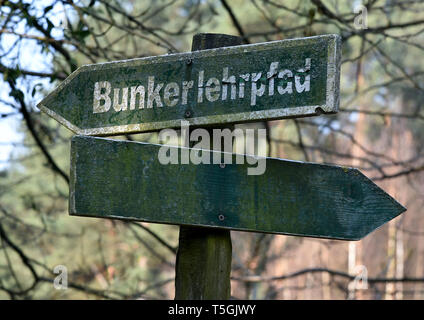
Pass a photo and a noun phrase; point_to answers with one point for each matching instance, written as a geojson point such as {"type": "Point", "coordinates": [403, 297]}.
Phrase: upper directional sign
{"type": "Point", "coordinates": [273, 80]}
{"type": "Point", "coordinates": [121, 179]}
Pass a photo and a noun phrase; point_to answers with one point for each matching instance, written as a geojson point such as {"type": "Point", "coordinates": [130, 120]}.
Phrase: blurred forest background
{"type": "Point", "coordinates": [379, 129]}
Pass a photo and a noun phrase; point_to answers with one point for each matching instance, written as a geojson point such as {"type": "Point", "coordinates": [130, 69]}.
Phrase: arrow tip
{"type": "Point", "coordinates": [378, 207]}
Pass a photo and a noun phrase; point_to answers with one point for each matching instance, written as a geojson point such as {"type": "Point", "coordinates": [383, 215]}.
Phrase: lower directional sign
{"type": "Point", "coordinates": [125, 180]}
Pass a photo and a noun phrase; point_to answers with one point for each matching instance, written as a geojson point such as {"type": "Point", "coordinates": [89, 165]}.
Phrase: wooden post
{"type": "Point", "coordinates": [203, 264]}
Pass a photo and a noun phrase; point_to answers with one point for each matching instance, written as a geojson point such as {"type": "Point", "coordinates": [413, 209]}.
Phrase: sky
{"type": "Point", "coordinates": [30, 58]}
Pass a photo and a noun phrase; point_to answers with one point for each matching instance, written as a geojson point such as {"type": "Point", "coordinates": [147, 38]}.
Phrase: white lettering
{"type": "Point", "coordinates": [214, 89]}
{"type": "Point", "coordinates": [171, 91]}
{"type": "Point", "coordinates": [153, 93]}
{"type": "Point", "coordinates": [255, 91]}
{"type": "Point", "coordinates": [212, 92]}
{"type": "Point", "coordinates": [225, 80]}
{"type": "Point", "coordinates": [98, 86]}
{"type": "Point", "coordinates": [186, 85]}
{"type": "Point", "coordinates": [271, 75]}
{"type": "Point", "coordinates": [141, 92]}
{"type": "Point", "coordinates": [246, 78]}
{"type": "Point", "coordinates": [307, 83]}
{"type": "Point", "coordinates": [281, 75]}
{"type": "Point", "coordinates": [200, 86]}
{"type": "Point", "coordinates": [124, 102]}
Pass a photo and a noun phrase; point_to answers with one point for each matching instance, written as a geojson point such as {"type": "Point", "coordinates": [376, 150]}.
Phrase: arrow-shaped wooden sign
{"type": "Point", "coordinates": [125, 180]}
{"type": "Point", "coordinates": [272, 80]}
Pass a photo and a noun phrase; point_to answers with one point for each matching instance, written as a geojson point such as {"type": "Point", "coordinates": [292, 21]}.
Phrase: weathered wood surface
{"type": "Point", "coordinates": [203, 260]}
{"type": "Point", "coordinates": [272, 80]}
{"type": "Point", "coordinates": [120, 179]}
{"type": "Point", "coordinates": [203, 264]}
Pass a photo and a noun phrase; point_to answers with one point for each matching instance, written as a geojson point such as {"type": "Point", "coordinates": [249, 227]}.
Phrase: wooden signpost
{"type": "Point", "coordinates": [212, 87]}
{"type": "Point", "coordinates": [204, 255]}
{"type": "Point", "coordinates": [273, 80]}
{"type": "Point", "coordinates": [125, 180]}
